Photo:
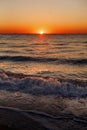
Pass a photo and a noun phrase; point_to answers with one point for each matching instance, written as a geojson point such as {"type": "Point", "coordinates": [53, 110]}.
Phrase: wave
{"type": "Point", "coordinates": [85, 42]}
{"type": "Point", "coordinates": [42, 86]}
{"type": "Point", "coordinates": [40, 59]}
{"type": "Point", "coordinates": [2, 43]}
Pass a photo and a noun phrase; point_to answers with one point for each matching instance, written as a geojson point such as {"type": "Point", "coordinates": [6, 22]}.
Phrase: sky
{"type": "Point", "coordinates": [50, 16]}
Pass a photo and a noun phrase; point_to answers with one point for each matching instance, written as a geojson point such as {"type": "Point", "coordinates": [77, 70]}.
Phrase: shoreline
{"type": "Point", "coordinates": [41, 103]}
{"type": "Point", "coordinates": [11, 118]}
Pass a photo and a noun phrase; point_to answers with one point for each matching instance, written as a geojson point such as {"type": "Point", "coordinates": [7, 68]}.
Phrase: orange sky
{"type": "Point", "coordinates": [51, 16]}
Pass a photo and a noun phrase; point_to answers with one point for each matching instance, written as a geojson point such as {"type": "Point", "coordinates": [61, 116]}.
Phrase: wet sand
{"type": "Point", "coordinates": [16, 119]}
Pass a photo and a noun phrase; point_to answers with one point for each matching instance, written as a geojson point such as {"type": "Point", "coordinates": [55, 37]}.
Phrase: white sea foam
{"type": "Point", "coordinates": [42, 86]}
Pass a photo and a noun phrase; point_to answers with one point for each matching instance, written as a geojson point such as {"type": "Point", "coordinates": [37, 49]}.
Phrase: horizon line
{"type": "Point", "coordinates": [43, 34]}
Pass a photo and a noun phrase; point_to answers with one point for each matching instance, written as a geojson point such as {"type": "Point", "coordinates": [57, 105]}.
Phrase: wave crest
{"type": "Point", "coordinates": [42, 86]}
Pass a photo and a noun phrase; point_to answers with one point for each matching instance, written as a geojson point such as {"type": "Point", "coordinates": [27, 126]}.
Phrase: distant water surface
{"type": "Point", "coordinates": [58, 56]}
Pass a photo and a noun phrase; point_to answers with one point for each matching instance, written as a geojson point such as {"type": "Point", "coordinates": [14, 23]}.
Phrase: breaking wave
{"type": "Point", "coordinates": [42, 86]}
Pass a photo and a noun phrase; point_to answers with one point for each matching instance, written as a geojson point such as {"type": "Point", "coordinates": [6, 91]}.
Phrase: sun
{"type": "Point", "coordinates": [41, 32]}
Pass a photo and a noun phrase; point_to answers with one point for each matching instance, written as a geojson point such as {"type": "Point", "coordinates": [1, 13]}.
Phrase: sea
{"type": "Point", "coordinates": [45, 74]}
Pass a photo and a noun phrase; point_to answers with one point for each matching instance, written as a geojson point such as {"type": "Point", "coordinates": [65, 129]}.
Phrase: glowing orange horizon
{"type": "Point", "coordinates": [44, 30]}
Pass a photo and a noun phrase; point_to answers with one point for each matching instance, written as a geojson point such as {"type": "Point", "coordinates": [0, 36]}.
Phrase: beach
{"type": "Point", "coordinates": [26, 108]}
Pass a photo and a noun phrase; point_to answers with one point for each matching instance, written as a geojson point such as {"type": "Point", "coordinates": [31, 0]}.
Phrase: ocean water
{"type": "Point", "coordinates": [45, 73]}
{"type": "Point", "coordinates": [58, 56]}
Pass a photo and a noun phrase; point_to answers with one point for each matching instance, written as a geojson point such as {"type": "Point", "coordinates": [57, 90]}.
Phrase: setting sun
{"type": "Point", "coordinates": [41, 32]}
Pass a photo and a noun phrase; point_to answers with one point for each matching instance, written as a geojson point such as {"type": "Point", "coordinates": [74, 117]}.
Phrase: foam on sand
{"type": "Point", "coordinates": [30, 102]}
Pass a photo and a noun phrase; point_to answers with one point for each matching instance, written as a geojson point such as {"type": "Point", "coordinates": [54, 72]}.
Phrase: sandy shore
{"type": "Point", "coordinates": [16, 119]}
